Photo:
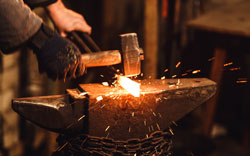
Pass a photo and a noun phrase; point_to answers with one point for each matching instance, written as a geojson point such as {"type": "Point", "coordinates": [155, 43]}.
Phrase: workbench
{"type": "Point", "coordinates": [228, 28]}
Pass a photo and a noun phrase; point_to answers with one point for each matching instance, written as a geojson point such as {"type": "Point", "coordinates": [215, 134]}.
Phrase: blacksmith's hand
{"type": "Point", "coordinates": [67, 20]}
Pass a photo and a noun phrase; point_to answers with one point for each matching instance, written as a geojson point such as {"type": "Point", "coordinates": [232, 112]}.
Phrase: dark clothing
{"type": "Point", "coordinates": [18, 23]}
{"type": "Point", "coordinates": [37, 3]}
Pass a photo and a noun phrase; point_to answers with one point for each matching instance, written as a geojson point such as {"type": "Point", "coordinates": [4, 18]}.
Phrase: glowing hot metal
{"type": "Point", "coordinates": [131, 86]}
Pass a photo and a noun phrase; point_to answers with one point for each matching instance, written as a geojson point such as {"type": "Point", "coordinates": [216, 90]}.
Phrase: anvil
{"type": "Point", "coordinates": [103, 111]}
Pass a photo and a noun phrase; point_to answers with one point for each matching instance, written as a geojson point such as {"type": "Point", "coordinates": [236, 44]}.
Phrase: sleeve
{"type": "Point", "coordinates": [38, 3]}
{"type": "Point", "coordinates": [17, 24]}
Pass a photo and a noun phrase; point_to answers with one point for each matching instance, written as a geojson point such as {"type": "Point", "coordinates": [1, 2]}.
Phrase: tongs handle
{"type": "Point", "coordinates": [78, 39]}
{"type": "Point", "coordinates": [91, 42]}
{"type": "Point", "coordinates": [84, 39]}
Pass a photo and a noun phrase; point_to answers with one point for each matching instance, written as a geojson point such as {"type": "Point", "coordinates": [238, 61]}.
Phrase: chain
{"type": "Point", "coordinates": [158, 143]}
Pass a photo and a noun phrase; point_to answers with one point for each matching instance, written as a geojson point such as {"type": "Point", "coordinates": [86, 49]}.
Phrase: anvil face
{"type": "Point", "coordinates": [113, 112]}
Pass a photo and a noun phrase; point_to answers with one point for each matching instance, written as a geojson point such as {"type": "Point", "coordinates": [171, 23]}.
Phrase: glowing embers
{"type": "Point", "coordinates": [131, 86]}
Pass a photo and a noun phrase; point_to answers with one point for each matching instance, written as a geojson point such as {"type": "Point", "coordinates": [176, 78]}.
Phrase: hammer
{"type": "Point", "coordinates": [130, 55]}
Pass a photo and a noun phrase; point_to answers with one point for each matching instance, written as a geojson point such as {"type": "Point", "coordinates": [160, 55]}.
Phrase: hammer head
{"type": "Point", "coordinates": [130, 54]}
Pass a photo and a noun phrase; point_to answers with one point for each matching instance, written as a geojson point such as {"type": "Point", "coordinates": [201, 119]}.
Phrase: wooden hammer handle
{"type": "Point", "coordinates": [103, 58]}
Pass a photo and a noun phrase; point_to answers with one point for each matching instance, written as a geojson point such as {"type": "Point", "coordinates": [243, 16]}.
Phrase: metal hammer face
{"type": "Point", "coordinates": [130, 54]}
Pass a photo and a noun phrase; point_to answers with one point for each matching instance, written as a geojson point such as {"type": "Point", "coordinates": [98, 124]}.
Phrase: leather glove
{"type": "Point", "coordinates": [57, 56]}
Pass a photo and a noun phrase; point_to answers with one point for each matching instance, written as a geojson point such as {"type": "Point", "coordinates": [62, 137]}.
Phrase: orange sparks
{"type": "Point", "coordinates": [107, 129]}
{"type": "Point", "coordinates": [83, 93]}
{"type": "Point", "coordinates": [171, 131]}
{"type": "Point", "coordinates": [131, 86]}
{"type": "Point", "coordinates": [99, 98]}
{"type": "Point", "coordinates": [165, 70]}
{"type": "Point", "coordinates": [196, 71]}
{"type": "Point", "coordinates": [152, 127]}
{"type": "Point", "coordinates": [189, 70]}
{"type": "Point", "coordinates": [105, 83]}
{"type": "Point", "coordinates": [154, 113]}
{"type": "Point", "coordinates": [160, 115]}
{"type": "Point", "coordinates": [184, 74]}
{"type": "Point", "coordinates": [228, 64]}
{"type": "Point", "coordinates": [233, 69]}
{"type": "Point", "coordinates": [81, 118]}
{"type": "Point", "coordinates": [211, 59]}
{"type": "Point", "coordinates": [178, 82]}
{"type": "Point", "coordinates": [174, 123]}
{"type": "Point", "coordinates": [174, 76]}
{"type": "Point", "coordinates": [158, 126]}
{"type": "Point", "coordinates": [178, 64]}
{"type": "Point", "coordinates": [242, 80]}
{"type": "Point", "coordinates": [163, 77]}
{"type": "Point", "coordinates": [60, 148]}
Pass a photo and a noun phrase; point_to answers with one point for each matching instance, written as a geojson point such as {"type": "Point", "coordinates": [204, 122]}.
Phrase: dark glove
{"type": "Point", "coordinates": [57, 56]}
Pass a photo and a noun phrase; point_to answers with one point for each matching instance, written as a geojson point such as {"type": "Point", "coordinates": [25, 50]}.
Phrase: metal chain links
{"type": "Point", "coordinates": [158, 143]}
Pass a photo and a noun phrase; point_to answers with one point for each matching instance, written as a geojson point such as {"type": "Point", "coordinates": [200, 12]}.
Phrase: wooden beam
{"type": "Point", "coordinates": [216, 75]}
{"type": "Point", "coordinates": [150, 38]}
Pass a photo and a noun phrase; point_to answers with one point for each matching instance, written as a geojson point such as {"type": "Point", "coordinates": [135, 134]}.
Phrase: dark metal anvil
{"type": "Point", "coordinates": [111, 111]}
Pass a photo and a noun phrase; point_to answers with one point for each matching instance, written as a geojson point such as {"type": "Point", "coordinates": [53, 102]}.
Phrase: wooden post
{"type": "Point", "coordinates": [150, 38]}
{"type": "Point", "coordinates": [215, 75]}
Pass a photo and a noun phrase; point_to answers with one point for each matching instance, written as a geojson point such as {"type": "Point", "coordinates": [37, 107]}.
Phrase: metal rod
{"type": "Point", "coordinates": [91, 42]}
{"type": "Point", "coordinates": [80, 41]}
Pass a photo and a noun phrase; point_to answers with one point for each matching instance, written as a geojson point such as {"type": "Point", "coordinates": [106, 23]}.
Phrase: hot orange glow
{"type": "Point", "coordinates": [178, 64]}
{"type": "Point", "coordinates": [131, 86]}
{"type": "Point", "coordinates": [233, 69]}
{"type": "Point", "coordinates": [228, 64]}
{"type": "Point", "coordinates": [196, 71]}
{"type": "Point", "coordinates": [211, 59]}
